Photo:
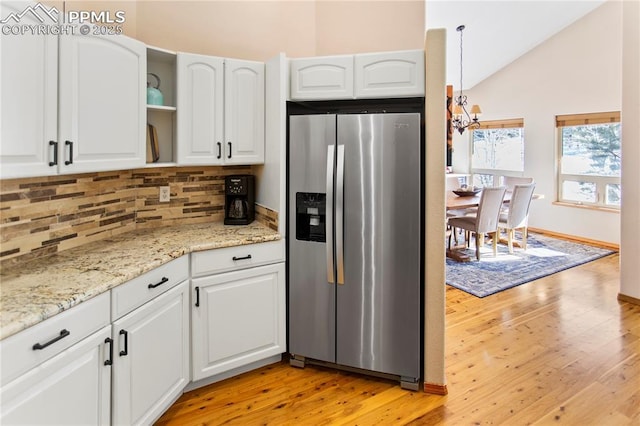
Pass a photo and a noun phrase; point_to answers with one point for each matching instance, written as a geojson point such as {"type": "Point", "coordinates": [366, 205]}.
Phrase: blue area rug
{"type": "Point", "coordinates": [544, 256]}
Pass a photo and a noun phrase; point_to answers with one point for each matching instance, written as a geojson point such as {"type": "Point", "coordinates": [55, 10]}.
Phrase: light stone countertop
{"type": "Point", "coordinates": [36, 290]}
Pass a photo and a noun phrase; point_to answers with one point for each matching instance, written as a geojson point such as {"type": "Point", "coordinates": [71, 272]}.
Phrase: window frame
{"type": "Point", "coordinates": [599, 181]}
{"type": "Point", "coordinates": [496, 173]}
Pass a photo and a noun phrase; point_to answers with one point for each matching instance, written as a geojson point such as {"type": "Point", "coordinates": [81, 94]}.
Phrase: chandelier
{"type": "Point", "coordinates": [461, 119]}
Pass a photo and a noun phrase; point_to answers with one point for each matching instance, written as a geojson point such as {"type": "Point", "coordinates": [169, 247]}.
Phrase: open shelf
{"type": "Point", "coordinates": [161, 108]}
{"type": "Point", "coordinates": [162, 63]}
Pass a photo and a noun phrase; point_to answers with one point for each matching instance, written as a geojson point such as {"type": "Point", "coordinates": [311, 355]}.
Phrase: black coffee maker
{"type": "Point", "coordinates": [239, 199]}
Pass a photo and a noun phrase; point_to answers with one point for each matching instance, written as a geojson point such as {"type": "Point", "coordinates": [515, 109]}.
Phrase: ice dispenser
{"type": "Point", "coordinates": [311, 216]}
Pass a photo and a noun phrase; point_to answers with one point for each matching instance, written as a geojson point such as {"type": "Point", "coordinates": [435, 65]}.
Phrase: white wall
{"type": "Point", "coordinates": [630, 241]}
{"type": "Point", "coordinates": [576, 71]}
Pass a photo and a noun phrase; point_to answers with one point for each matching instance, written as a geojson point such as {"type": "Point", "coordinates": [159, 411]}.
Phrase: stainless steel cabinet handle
{"type": "Point", "coordinates": [329, 217]}
{"type": "Point", "coordinates": [339, 214]}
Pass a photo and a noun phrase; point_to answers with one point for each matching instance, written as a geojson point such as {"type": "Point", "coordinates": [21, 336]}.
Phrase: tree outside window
{"type": "Point", "coordinates": [497, 150]}
{"type": "Point", "coordinates": [590, 159]}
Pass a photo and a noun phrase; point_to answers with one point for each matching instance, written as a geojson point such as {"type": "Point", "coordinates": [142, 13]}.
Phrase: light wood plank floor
{"type": "Point", "coordinates": [560, 350]}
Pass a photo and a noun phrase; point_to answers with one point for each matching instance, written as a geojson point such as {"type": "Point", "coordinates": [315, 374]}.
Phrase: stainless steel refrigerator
{"type": "Point", "coordinates": [354, 242]}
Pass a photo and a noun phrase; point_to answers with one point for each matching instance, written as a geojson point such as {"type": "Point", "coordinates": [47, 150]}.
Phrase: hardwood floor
{"type": "Point", "coordinates": [559, 350]}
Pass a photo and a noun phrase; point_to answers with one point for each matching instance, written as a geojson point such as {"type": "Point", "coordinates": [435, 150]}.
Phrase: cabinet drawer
{"type": "Point", "coordinates": [126, 297]}
{"type": "Point", "coordinates": [20, 353]}
{"type": "Point", "coordinates": [234, 258]}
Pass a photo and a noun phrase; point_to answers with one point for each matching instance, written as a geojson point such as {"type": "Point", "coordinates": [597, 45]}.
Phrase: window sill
{"type": "Point", "coordinates": [585, 206]}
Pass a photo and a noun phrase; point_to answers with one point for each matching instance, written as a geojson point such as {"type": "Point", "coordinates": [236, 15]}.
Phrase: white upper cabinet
{"type": "Point", "coordinates": [29, 87]}
{"type": "Point", "coordinates": [200, 109]}
{"type": "Point", "coordinates": [70, 103]}
{"type": "Point", "coordinates": [102, 90]}
{"type": "Point", "coordinates": [329, 77]}
{"type": "Point", "coordinates": [220, 110]}
{"type": "Point", "coordinates": [244, 111]}
{"type": "Point", "coordinates": [389, 74]}
{"type": "Point", "coordinates": [367, 75]}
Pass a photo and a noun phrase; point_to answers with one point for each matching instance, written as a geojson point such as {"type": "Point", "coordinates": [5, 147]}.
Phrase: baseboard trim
{"type": "Point", "coordinates": [435, 389]}
{"type": "Point", "coordinates": [597, 243]}
{"type": "Point", "coordinates": [628, 299]}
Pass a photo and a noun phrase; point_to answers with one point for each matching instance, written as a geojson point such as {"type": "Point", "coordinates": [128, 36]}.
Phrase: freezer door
{"type": "Point", "coordinates": [310, 238]}
{"type": "Point", "coordinates": [378, 306]}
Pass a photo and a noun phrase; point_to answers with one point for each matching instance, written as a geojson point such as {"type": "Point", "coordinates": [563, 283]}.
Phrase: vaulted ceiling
{"type": "Point", "coordinates": [498, 32]}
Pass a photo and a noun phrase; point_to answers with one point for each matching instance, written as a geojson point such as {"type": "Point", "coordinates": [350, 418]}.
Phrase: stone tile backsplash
{"type": "Point", "coordinates": [44, 215]}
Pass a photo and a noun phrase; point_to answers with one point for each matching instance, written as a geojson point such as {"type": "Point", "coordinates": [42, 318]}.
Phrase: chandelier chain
{"type": "Point", "coordinates": [460, 28]}
{"type": "Point", "coordinates": [461, 119]}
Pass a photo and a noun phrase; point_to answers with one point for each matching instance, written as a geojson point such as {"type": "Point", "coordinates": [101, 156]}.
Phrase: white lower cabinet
{"type": "Point", "coordinates": [124, 357]}
{"type": "Point", "coordinates": [151, 357]}
{"type": "Point", "coordinates": [73, 387]}
{"type": "Point", "coordinates": [237, 318]}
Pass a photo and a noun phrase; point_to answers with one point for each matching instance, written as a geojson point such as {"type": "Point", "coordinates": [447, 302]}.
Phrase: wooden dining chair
{"type": "Point", "coordinates": [484, 222]}
{"type": "Point", "coordinates": [518, 215]}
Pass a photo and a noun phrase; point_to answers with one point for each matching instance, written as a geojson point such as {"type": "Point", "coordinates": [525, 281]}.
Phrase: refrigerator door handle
{"type": "Point", "coordinates": [340, 215]}
{"type": "Point", "coordinates": [329, 212]}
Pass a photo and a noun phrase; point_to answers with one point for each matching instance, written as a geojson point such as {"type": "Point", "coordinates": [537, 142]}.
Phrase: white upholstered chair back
{"type": "Point", "coordinates": [489, 209]}
{"type": "Point", "coordinates": [519, 206]}
{"type": "Point", "coordinates": [511, 181]}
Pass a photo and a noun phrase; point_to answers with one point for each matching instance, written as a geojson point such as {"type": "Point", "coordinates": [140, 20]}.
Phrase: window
{"type": "Point", "coordinates": [497, 148]}
{"type": "Point", "coordinates": [589, 159]}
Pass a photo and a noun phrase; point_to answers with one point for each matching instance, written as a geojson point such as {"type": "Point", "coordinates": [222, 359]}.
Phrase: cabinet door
{"type": "Point", "coordinates": [237, 318]}
{"type": "Point", "coordinates": [73, 387]}
{"type": "Point", "coordinates": [200, 104]}
{"type": "Point", "coordinates": [389, 74]}
{"type": "Point", "coordinates": [151, 357]}
{"type": "Point", "coordinates": [329, 77]}
{"type": "Point", "coordinates": [244, 112]}
{"type": "Point", "coordinates": [28, 113]}
{"type": "Point", "coordinates": [102, 90]}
